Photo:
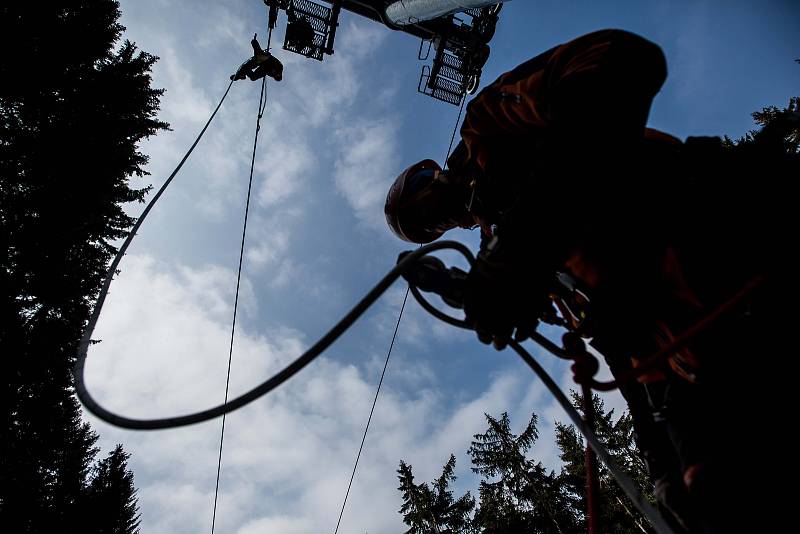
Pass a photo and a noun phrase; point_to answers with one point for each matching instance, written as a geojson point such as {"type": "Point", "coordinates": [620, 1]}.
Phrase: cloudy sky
{"type": "Point", "coordinates": [334, 136]}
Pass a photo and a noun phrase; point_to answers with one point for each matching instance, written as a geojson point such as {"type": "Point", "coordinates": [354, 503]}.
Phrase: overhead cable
{"type": "Point", "coordinates": [389, 352]}
{"type": "Point", "coordinates": [262, 103]}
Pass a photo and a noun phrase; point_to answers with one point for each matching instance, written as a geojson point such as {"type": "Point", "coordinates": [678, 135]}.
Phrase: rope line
{"type": "Point", "coordinates": [622, 479]}
{"type": "Point", "coordinates": [391, 345]}
{"type": "Point", "coordinates": [262, 103]}
{"type": "Point", "coordinates": [369, 419]}
{"type": "Point", "coordinates": [455, 129]}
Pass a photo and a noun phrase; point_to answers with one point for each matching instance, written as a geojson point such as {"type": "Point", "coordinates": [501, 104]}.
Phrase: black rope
{"type": "Point", "coordinates": [278, 378]}
{"type": "Point", "coordinates": [455, 129]}
{"type": "Point", "coordinates": [369, 419]}
{"type": "Point", "coordinates": [389, 353]}
{"type": "Point", "coordinates": [266, 386]}
{"type": "Point", "coordinates": [262, 103]}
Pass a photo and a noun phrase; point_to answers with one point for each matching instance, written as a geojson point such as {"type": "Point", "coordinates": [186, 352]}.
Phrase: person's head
{"type": "Point", "coordinates": [424, 202]}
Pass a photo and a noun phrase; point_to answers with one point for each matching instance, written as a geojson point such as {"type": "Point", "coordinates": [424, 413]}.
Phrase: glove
{"type": "Point", "coordinates": [504, 298]}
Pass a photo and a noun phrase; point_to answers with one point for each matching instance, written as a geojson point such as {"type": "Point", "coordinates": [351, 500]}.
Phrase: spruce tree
{"type": "Point", "coordinates": [432, 508]}
{"type": "Point", "coordinates": [112, 506]}
{"type": "Point", "coordinates": [74, 104]}
{"type": "Point", "coordinates": [516, 493]}
{"type": "Point", "coordinates": [616, 512]}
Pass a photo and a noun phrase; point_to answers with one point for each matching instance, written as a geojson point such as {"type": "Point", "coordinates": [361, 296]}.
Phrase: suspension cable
{"type": "Point", "coordinates": [332, 335]}
{"type": "Point", "coordinates": [455, 129]}
{"type": "Point", "coordinates": [391, 345]}
{"type": "Point", "coordinates": [369, 419]}
{"type": "Point", "coordinates": [262, 103]}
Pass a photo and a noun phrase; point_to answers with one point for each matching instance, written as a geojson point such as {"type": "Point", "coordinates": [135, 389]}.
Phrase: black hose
{"type": "Point", "coordinates": [268, 385]}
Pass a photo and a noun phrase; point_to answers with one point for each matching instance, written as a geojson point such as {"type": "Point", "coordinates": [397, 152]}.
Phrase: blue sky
{"type": "Point", "coordinates": [334, 136]}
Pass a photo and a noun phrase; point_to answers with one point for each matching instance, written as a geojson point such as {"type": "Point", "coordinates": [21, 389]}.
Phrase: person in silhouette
{"type": "Point", "coordinates": [261, 64]}
{"type": "Point", "coordinates": [558, 169]}
{"type": "Point", "coordinates": [299, 32]}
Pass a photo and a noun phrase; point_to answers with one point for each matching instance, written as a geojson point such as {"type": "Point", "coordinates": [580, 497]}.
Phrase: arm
{"type": "Point", "coordinates": [257, 50]}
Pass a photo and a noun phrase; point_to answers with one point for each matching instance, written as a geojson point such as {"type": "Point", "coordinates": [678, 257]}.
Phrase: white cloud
{"type": "Point", "coordinates": [215, 289]}
{"type": "Point", "coordinates": [227, 27]}
{"type": "Point", "coordinates": [369, 156]}
{"type": "Point", "coordinates": [185, 100]}
{"type": "Point", "coordinates": [269, 248]}
{"type": "Point", "coordinates": [282, 524]}
{"type": "Point", "coordinates": [285, 168]}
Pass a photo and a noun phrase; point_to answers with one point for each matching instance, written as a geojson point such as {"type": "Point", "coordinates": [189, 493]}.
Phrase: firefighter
{"type": "Point", "coordinates": [558, 169]}
{"type": "Point", "coordinates": [261, 64]}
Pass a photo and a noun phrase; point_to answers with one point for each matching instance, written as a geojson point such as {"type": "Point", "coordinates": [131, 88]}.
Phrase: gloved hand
{"type": "Point", "coordinates": [504, 298]}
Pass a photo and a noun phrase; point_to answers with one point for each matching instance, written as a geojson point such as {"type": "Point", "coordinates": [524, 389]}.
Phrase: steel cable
{"type": "Point", "coordinates": [389, 352]}
{"type": "Point", "coordinates": [262, 104]}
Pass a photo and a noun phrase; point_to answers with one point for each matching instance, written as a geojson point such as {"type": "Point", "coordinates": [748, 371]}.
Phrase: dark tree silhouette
{"type": "Point", "coordinates": [112, 506]}
{"type": "Point", "coordinates": [518, 494]}
{"type": "Point", "coordinates": [74, 104]}
{"type": "Point", "coordinates": [431, 508]}
{"type": "Point", "coordinates": [616, 512]}
{"type": "Point", "coordinates": [781, 126]}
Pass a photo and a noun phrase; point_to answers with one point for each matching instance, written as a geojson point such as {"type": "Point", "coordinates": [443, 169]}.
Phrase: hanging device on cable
{"type": "Point", "coordinates": [260, 65]}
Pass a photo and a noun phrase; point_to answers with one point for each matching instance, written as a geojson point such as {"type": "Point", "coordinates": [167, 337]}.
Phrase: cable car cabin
{"type": "Point", "coordinates": [460, 41]}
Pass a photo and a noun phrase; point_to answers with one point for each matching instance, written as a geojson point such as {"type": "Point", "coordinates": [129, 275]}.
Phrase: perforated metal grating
{"type": "Point", "coordinates": [319, 17]}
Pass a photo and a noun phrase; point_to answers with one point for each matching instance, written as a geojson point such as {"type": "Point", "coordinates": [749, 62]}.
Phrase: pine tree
{"type": "Point", "coordinates": [73, 107]}
{"type": "Point", "coordinates": [112, 506]}
{"type": "Point", "coordinates": [432, 508]}
{"type": "Point", "coordinates": [783, 124]}
{"type": "Point", "coordinates": [516, 494]}
{"type": "Point", "coordinates": [617, 512]}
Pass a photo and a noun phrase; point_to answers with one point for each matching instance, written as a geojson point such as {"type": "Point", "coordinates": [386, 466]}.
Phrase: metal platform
{"type": "Point", "coordinates": [319, 18]}
{"type": "Point", "coordinates": [460, 40]}
{"type": "Point", "coordinates": [460, 56]}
